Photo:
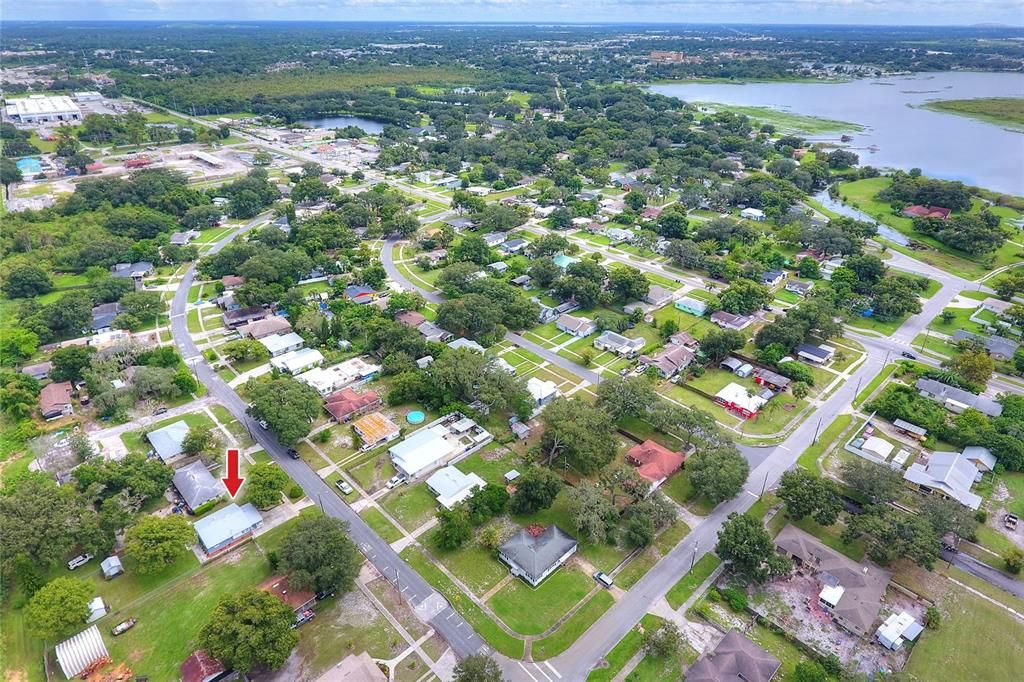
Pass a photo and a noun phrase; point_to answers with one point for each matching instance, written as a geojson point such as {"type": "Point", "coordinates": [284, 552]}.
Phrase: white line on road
{"type": "Point", "coordinates": [548, 664]}
{"type": "Point", "coordinates": [541, 671]}
{"type": "Point", "coordinates": [526, 671]}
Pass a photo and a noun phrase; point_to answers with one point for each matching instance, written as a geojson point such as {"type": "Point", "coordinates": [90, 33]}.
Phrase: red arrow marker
{"type": "Point", "coordinates": [233, 481]}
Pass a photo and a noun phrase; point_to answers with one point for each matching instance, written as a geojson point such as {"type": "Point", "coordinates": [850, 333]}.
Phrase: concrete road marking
{"type": "Point", "coordinates": [541, 671]}
{"type": "Point", "coordinates": [548, 664]}
{"type": "Point", "coordinates": [526, 671]}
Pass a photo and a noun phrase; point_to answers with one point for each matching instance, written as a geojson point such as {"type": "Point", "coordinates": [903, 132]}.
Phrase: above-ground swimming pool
{"type": "Point", "coordinates": [416, 417]}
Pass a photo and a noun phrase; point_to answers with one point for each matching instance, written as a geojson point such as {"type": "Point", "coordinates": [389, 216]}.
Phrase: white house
{"type": "Point", "coordinates": [451, 486]}
{"type": "Point", "coordinates": [351, 372]}
{"type": "Point", "coordinates": [577, 326]}
{"type": "Point", "coordinates": [279, 344]}
{"type": "Point", "coordinates": [755, 214]}
{"type": "Point", "coordinates": [619, 344]}
{"type": "Point", "coordinates": [298, 361]}
{"type": "Point", "coordinates": [543, 392]}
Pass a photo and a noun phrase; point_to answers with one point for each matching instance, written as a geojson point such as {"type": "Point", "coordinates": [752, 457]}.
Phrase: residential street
{"type": "Point", "coordinates": [979, 569]}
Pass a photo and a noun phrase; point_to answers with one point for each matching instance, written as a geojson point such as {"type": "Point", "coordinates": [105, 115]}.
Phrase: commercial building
{"type": "Point", "coordinates": [438, 443]}
{"type": "Point", "coordinates": [43, 109]}
{"type": "Point", "coordinates": [227, 527]}
{"type": "Point", "coordinates": [451, 486]}
{"type": "Point", "coordinates": [535, 553]}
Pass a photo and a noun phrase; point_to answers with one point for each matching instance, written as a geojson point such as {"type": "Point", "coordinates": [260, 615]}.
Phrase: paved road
{"type": "Point", "coordinates": [979, 569]}
{"type": "Point", "coordinates": [435, 610]}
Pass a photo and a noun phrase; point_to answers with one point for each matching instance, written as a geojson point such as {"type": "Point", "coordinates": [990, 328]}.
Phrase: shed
{"type": "Point", "coordinates": [897, 629]}
{"type": "Point", "coordinates": [76, 654]}
{"type": "Point", "coordinates": [111, 567]}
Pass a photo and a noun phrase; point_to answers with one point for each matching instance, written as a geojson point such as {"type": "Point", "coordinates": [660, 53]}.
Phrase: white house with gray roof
{"type": "Point", "coordinates": [167, 441]}
{"type": "Point", "coordinates": [196, 485]}
{"type": "Point", "coordinates": [534, 557]}
{"type": "Point", "coordinates": [619, 344]}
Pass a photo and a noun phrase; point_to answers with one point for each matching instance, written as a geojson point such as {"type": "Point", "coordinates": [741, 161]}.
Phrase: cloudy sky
{"type": "Point", "coordinates": [929, 12]}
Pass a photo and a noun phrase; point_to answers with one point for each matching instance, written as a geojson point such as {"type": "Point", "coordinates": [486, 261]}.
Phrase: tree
{"type": "Point", "coordinates": [473, 249]}
{"type": "Point", "coordinates": [636, 200]}
{"type": "Point", "coordinates": [9, 174]}
{"type": "Point", "coordinates": [245, 350]}
{"type": "Point", "coordinates": [250, 629]}
{"type": "Point", "coordinates": [718, 473]}
{"type": "Point", "coordinates": [808, 495]}
{"type": "Point", "coordinates": [317, 554]}
{"type": "Point", "coordinates": [453, 528]}
{"type": "Point", "coordinates": [26, 280]}
{"type": "Point", "coordinates": [156, 541]}
{"type": "Point", "coordinates": [39, 521]}
{"type": "Point", "coordinates": [948, 516]}
{"type": "Point", "coordinates": [544, 272]}
{"type": "Point", "coordinates": [890, 533]}
{"type": "Point", "coordinates": [17, 344]}
{"type": "Point", "coordinates": [577, 435]}
{"type": "Point", "coordinates": [797, 371]}
{"type": "Point", "coordinates": [626, 397]}
{"type": "Point", "coordinates": [593, 514]}
{"type": "Point", "coordinates": [640, 531]}
{"type": "Point", "coordinates": [199, 217]}
{"type": "Point", "coordinates": [747, 546]}
{"type": "Point", "coordinates": [744, 297]}
{"type": "Point", "coordinates": [264, 484]}
{"type": "Point", "coordinates": [973, 364]}
{"type": "Point", "coordinates": [663, 641]}
{"type": "Point", "coordinates": [288, 406]}
{"type": "Point", "coordinates": [878, 483]}
{"type": "Point", "coordinates": [809, 268]}
{"type": "Point", "coordinates": [717, 344]}
{"type": "Point", "coordinates": [477, 668]}
{"type": "Point", "coordinates": [809, 671]}
{"type": "Point", "coordinates": [80, 162]}
{"type": "Point", "coordinates": [1014, 559]}
{"type": "Point", "coordinates": [198, 440]}
{"type": "Point", "coordinates": [628, 283]}
{"type": "Point", "coordinates": [58, 608]}
{"type": "Point", "coordinates": [536, 489]}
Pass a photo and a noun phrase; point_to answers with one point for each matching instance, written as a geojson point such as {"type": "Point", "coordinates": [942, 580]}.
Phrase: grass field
{"type": "Point", "coordinates": [411, 506]}
{"type": "Point", "coordinates": [380, 524]}
{"type": "Point", "coordinates": [684, 589]}
{"type": "Point", "coordinates": [474, 565]}
{"type": "Point", "coordinates": [809, 458]}
{"type": "Point", "coordinates": [1005, 111]}
{"type": "Point", "coordinates": [627, 647]}
{"type": "Point", "coordinates": [532, 610]}
{"type": "Point", "coordinates": [785, 121]}
{"type": "Point", "coordinates": [562, 638]}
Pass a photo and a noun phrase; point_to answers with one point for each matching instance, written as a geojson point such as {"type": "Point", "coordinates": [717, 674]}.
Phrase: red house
{"type": "Point", "coordinates": [201, 667]}
{"type": "Point", "coordinates": [346, 404]}
{"type": "Point", "coordinates": [917, 211]}
{"type": "Point", "coordinates": [654, 462]}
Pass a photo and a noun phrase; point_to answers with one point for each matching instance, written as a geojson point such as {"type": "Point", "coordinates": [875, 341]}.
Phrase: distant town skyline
{"type": "Point", "coordinates": [854, 12]}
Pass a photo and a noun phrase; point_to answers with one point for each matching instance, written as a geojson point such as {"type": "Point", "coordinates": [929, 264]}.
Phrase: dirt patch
{"type": "Point", "coordinates": [997, 510]}
{"type": "Point", "coordinates": [495, 454]}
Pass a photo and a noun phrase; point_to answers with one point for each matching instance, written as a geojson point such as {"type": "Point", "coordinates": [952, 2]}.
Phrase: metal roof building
{"type": "Point", "coordinates": [226, 527]}
{"type": "Point", "coordinates": [77, 653]}
{"type": "Point", "coordinates": [167, 441]}
{"type": "Point", "coordinates": [197, 485]}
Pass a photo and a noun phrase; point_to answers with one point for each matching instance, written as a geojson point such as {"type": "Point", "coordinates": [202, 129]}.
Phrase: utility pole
{"type": "Point", "coordinates": [816, 428]}
{"type": "Point", "coordinates": [764, 485]}
{"type": "Point", "coordinates": [693, 559]}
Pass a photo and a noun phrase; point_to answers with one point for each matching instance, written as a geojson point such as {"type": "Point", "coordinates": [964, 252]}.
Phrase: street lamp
{"type": "Point", "coordinates": [693, 559]}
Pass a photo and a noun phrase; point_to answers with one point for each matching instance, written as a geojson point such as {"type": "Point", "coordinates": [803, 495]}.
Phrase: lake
{"type": "Point", "coordinates": [332, 122]}
{"type": "Point", "coordinates": [898, 134]}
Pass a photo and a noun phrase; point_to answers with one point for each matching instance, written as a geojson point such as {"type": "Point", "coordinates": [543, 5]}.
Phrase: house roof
{"type": "Point", "coordinates": [615, 339]}
{"type": "Point", "coordinates": [422, 449]}
{"type": "Point", "coordinates": [656, 293]}
{"type": "Point", "coordinates": [878, 446]}
{"type": "Point", "coordinates": [820, 352]}
{"type": "Point", "coordinates": [773, 378]}
{"type": "Point", "coordinates": [347, 402]}
{"type": "Point", "coordinates": [683, 339]}
{"type": "Point", "coordinates": [540, 389]}
{"type": "Point", "coordinates": [227, 523]}
{"type": "Point", "coordinates": [731, 363]}
{"type": "Point", "coordinates": [197, 485]}
{"type": "Point", "coordinates": [910, 428]}
{"type": "Point", "coordinates": [54, 397]}
{"type": "Point", "coordinates": [103, 315]}
{"type": "Point", "coordinates": [410, 318]}
{"type": "Point", "coordinates": [200, 666]}
{"type": "Point", "coordinates": [111, 566]}
{"type": "Point", "coordinates": [252, 312]}
{"type": "Point", "coordinates": [950, 472]}
{"type": "Point", "coordinates": [945, 392]}
{"type": "Point", "coordinates": [993, 344]}
{"type": "Point", "coordinates": [167, 440]}
{"type": "Point", "coordinates": [655, 461]}
{"type": "Point", "coordinates": [42, 368]}
{"type": "Point", "coordinates": [431, 331]}
{"type": "Point", "coordinates": [721, 317]}
{"type": "Point", "coordinates": [274, 324]}
{"type": "Point", "coordinates": [375, 427]}
{"type": "Point", "coordinates": [465, 343]}
{"type": "Point", "coordinates": [980, 456]}
{"type": "Point", "coordinates": [669, 359]}
{"type": "Point", "coordinates": [77, 653]}
{"type": "Point", "coordinates": [298, 359]}
{"type": "Point", "coordinates": [278, 586]}
{"type": "Point", "coordinates": [452, 486]}
{"type": "Point", "coordinates": [737, 395]}
{"type": "Point", "coordinates": [863, 585]}
{"type": "Point", "coordinates": [358, 292]}
{"type": "Point", "coordinates": [536, 555]}
{"type": "Point", "coordinates": [354, 668]}
{"type": "Point", "coordinates": [573, 323]}
{"type": "Point", "coordinates": [735, 658]}
{"type": "Point", "coordinates": [276, 343]}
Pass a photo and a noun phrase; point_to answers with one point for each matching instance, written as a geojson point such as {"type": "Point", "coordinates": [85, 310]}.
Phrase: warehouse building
{"type": "Point", "coordinates": [43, 109]}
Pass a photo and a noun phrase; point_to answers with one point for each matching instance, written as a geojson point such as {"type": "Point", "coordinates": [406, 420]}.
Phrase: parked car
{"type": "Point", "coordinates": [293, 453]}
{"type": "Point", "coordinates": [263, 424]}
{"type": "Point", "coordinates": [395, 481]}
{"type": "Point", "coordinates": [160, 410]}
{"type": "Point", "coordinates": [123, 627]}
{"type": "Point", "coordinates": [1011, 521]}
{"type": "Point", "coordinates": [304, 617]}
{"type": "Point", "coordinates": [909, 355]}
{"type": "Point", "coordinates": [603, 579]}
{"type": "Point", "coordinates": [80, 560]}
{"type": "Point", "coordinates": [342, 485]}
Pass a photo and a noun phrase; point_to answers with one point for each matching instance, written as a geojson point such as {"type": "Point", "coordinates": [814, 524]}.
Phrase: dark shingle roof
{"type": "Point", "coordinates": [535, 555]}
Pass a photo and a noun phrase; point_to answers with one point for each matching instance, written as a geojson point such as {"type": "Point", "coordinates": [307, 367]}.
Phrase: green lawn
{"type": "Point", "coordinates": [482, 623]}
{"type": "Point", "coordinates": [975, 636]}
{"type": "Point", "coordinates": [380, 524]}
{"type": "Point", "coordinates": [874, 384]}
{"type": "Point", "coordinates": [473, 564]}
{"type": "Point", "coordinates": [809, 458]}
{"type": "Point", "coordinates": [410, 505]}
{"type": "Point", "coordinates": [885, 328]}
{"type": "Point", "coordinates": [372, 473]}
{"type": "Point", "coordinates": [532, 610]}
{"type": "Point", "coordinates": [485, 464]}
{"type": "Point", "coordinates": [961, 320]}
{"type": "Point", "coordinates": [686, 586]}
{"type": "Point", "coordinates": [562, 638]}
{"type": "Point", "coordinates": [627, 647]}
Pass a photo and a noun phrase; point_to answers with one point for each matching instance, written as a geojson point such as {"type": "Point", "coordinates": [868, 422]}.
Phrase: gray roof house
{"type": "Point", "coordinates": [167, 440]}
{"type": "Point", "coordinates": [227, 527]}
{"type": "Point", "coordinates": [431, 332]}
{"type": "Point", "coordinates": [535, 556]}
{"type": "Point", "coordinates": [196, 485]}
{"type": "Point", "coordinates": [38, 372]}
{"type": "Point", "coordinates": [997, 346]}
{"type": "Point", "coordinates": [956, 399]}
{"type": "Point", "coordinates": [619, 344]}
{"type": "Point", "coordinates": [134, 271]}
{"type": "Point", "coordinates": [735, 658]}
{"type": "Point", "coordinates": [103, 315]}
{"type": "Point", "coordinates": [949, 475]}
